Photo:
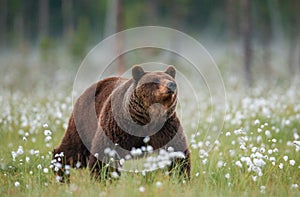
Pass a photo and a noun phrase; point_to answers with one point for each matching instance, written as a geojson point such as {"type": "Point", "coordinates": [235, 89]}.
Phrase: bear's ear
{"type": "Point", "coordinates": [137, 72]}
{"type": "Point", "coordinates": [171, 71]}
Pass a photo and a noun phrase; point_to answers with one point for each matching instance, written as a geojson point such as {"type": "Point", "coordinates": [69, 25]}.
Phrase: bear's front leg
{"type": "Point", "coordinates": [103, 170]}
{"type": "Point", "coordinates": [182, 166]}
{"type": "Point", "coordinates": [70, 153]}
{"type": "Point", "coordinates": [104, 160]}
{"type": "Point", "coordinates": [65, 158]}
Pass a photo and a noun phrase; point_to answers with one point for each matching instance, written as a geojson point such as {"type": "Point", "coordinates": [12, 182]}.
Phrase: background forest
{"type": "Point", "coordinates": [249, 38]}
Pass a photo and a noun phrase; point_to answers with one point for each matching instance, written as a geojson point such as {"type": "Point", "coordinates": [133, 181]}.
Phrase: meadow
{"type": "Point", "coordinates": [256, 154]}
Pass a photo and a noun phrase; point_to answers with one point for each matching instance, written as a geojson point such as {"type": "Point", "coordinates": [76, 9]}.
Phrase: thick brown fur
{"type": "Point", "coordinates": [117, 113]}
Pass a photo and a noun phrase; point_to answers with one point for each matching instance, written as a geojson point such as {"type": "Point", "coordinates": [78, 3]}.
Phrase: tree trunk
{"type": "Point", "coordinates": [152, 11]}
{"type": "Point", "coordinates": [247, 30]}
{"type": "Point", "coordinates": [292, 61]}
{"type": "Point", "coordinates": [120, 41]}
{"type": "Point", "coordinates": [19, 29]}
{"type": "Point", "coordinates": [3, 23]}
{"type": "Point", "coordinates": [67, 13]}
{"type": "Point", "coordinates": [266, 42]}
{"type": "Point", "coordinates": [43, 17]}
{"type": "Point", "coordinates": [231, 15]}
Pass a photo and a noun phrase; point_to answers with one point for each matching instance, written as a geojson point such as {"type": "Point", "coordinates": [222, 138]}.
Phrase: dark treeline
{"type": "Point", "coordinates": [31, 20]}
{"type": "Point", "coordinates": [78, 24]}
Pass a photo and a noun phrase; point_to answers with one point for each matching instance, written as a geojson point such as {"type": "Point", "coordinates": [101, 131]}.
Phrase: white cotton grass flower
{"type": "Point", "coordinates": [262, 189]}
{"type": "Point", "coordinates": [149, 149]}
{"type": "Point", "coordinates": [254, 178]}
{"type": "Point", "coordinates": [58, 178]}
{"type": "Point", "coordinates": [142, 189]}
{"type": "Point", "coordinates": [45, 170]}
{"type": "Point", "coordinates": [204, 161]}
{"type": "Point", "coordinates": [294, 186]}
{"type": "Point", "coordinates": [45, 125]}
{"type": "Point", "coordinates": [259, 162]}
{"type": "Point", "coordinates": [115, 175]}
{"type": "Point", "coordinates": [17, 184]}
{"type": "Point", "coordinates": [280, 166]}
{"type": "Point", "coordinates": [78, 164]}
{"type": "Point", "coordinates": [285, 158]}
{"type": "Point", "coordinates": [239, 164]}
{"type": "Point", "coordinates": [48, 138]}
{"type": "Point", "coordinates": [20, 150]}
{"type": "Point", "coordinates": [227, 176]}
{"type": "Point", "coordinates": [136, 152]}
{"type": "Point", "coordinates": [158, 184]}
{"type": "Point", "coordinates": [270, 151]}
{"type": "Point", "coordinates": [47, 132]}
{"type": "Point", "coordinates": [292, 162]}
{"type": "Point", "coordinates": [14, 155]}
{"type": "Point", "coordinates": [220, 164]}
{"type": "Point", "coordinates": [146, 139]}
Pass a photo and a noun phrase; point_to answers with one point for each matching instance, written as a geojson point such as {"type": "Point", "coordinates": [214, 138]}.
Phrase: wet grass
{"type": "Point", "coordinates": [256, 154]}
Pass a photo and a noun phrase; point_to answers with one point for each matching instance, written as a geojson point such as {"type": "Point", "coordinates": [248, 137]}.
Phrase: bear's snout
{"type": "Point", "coordinates": [171, 87]}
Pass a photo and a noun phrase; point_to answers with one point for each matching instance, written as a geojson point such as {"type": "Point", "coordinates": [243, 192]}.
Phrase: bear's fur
{"type": "Point", "coordinates": [117, 114]}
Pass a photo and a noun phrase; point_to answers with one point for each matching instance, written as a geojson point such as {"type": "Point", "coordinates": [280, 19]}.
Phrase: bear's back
{"type": "Point", "coordinates": [104, 88]}
{"type": "Point", "coordinates": [89, 105]}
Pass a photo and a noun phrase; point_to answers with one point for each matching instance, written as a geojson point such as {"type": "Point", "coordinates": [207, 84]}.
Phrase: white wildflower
{"type": "Point", "coordinates": [292, 162]}
{"type": "Point", "coordinates": [47, 132]}
{"type": "Point", "coordinates": [17, 184]}
{"type": "Point", "coordinates": [46, 170]}
{"type": "Point", "coordinates": [227, 176]}
{"type": "Point", "coordinates": [146, 139]}
{"type": "Point", "coordinates": [220, 164]}
{"type": "Point", "coordinates": [45, 125]}
{"type": "Point", "coordinates": [294, 186]}
{"type": "Point", "coordinates": [78, 164]}
{"type": "Point", "coordinates": [115, 175]}
{"type": "Point", "coordinates": [158, 184]}
{"type": "Point", "coordinates": [262, 189]}
{"type": "Point", "coordinates": [142, 189]}
{"type": "Point", "coordinates": [239, 164]}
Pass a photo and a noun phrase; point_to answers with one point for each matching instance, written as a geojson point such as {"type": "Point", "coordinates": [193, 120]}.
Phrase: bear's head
{"type": "Point", "coordinates": [154, 95]}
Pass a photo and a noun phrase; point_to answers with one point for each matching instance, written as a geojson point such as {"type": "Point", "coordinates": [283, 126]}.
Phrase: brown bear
{"type": "Point", "coordinates": [117, 115]}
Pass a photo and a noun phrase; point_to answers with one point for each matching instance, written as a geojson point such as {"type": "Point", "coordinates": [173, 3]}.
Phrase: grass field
{"type": "Point", "coordinates": [256, 154]}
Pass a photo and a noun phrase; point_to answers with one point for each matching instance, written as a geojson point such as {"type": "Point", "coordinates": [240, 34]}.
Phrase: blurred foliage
{"type": "Point", "coordinates": [80, 39]}
{"type": "Point", "coordinates": [194, 14]}
{"type": "Point", "coordinates": [89, 18]}
{"type": "Point", "coordinates": [47, 47]}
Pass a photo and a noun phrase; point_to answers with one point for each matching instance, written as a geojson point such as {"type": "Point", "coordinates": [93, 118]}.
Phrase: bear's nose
{"type": "Point", "coordinates": [171, 87]}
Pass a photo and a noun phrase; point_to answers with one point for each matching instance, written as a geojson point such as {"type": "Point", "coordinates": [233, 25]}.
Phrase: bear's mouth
{"type": "Point", "coordinates": [171, 92]}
